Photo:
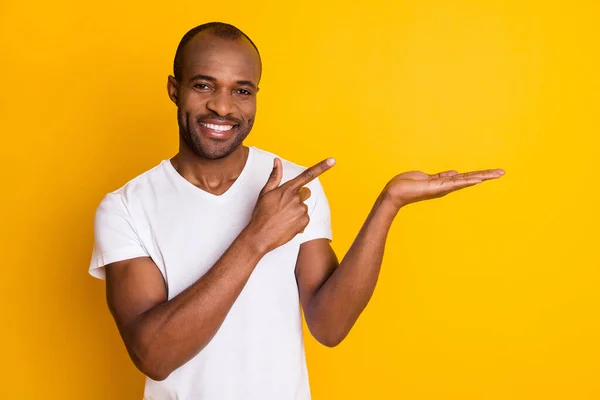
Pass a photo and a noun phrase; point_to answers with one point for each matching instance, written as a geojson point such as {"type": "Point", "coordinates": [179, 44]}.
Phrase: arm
{"type": "Point", "coordinates": [162, 335]}
{"type": "Point", "coordinates": [333, 296]}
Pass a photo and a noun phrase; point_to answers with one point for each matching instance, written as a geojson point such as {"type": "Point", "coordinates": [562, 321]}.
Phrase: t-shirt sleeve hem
{"type": "Point", "coordinates": [101, 260]}
{"type": "Point", "coordinates": [316, 235]}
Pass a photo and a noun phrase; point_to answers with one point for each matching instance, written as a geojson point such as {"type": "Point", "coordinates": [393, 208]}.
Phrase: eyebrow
{"type": "Point", "coordinates": [247, 83]}
{"type": "Point", "coordinates": [199, 77]}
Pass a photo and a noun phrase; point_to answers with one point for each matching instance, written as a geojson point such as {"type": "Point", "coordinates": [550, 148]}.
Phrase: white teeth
{"type": "Point", "coordinates": [220, 128]}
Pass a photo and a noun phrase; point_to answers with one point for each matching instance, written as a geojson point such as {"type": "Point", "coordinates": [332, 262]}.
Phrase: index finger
{"type": "Point", "coordinates": [484, 174]}
{"type": "Point", "coordinates": [309, 174]}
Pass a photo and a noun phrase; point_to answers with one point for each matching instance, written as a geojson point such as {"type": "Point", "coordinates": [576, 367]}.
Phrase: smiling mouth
{"type": "Point", "coordinates": [217, 128]}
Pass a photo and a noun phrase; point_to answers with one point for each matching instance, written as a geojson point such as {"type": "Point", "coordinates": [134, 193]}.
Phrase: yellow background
{"type": "Point", "coordinates": [489, 293]}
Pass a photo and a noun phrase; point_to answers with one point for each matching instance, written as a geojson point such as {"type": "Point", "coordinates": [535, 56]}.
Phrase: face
{"type": "Point", "coordinates": [216, 98]}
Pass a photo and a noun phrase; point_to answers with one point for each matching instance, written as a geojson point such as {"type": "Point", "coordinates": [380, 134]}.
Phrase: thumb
{"type": "Point", "coordinates": [275, 177]}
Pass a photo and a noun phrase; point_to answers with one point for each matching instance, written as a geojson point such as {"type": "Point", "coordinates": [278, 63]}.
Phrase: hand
{"type": "Point", "coordinates": [280, 212]}
{"type": "Point", "coordinates": [413, 186]}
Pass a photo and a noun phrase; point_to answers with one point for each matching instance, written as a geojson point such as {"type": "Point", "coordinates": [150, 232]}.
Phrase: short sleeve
{"type": "Point", "coordinates": [319, 226]}
{"type": "Point", "coordinates": [115, 238]}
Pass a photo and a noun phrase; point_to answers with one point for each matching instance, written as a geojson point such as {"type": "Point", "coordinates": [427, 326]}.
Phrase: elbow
{"type": "Point", "coordinates": [150, 364]}
{"type": "Point", "coordinates": [329, 343]}
{"type": "Point", "coordinates": [155, 374]}
{"type": "Point", "coordinates": [152, 370]}
{"type": "Point", "coordinates": [330, 338]}
{"type": "Point", "coordinates": [326, 331]}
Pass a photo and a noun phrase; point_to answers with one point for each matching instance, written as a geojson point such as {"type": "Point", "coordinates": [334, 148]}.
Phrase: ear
{"type": "Point", "coordinates": [173, 89]}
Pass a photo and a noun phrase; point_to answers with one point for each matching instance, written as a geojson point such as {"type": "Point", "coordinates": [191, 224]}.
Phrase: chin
{"type": "Point", "coordinates": [211, 148]}
{"type": "Point", "coordinates": [215, 151]}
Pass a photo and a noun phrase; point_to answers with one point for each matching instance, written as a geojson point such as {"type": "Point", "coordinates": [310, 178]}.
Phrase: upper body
{"type": "Point", "coordinates": [258, 351]}
{"type": "Point", "coordinates": [208, 256]}
{"type": "Point", "coordinates": [202, 253]}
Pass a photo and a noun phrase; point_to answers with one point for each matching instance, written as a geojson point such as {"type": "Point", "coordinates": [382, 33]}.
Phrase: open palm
{"type": "Point", "coordinates": [410, 187]}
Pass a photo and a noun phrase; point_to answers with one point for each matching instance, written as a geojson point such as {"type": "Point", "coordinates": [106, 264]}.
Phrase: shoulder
{"type": "Point", "coordinates": [136, 188]}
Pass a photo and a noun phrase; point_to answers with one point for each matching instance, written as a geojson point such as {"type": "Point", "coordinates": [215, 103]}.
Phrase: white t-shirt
{"type": "Point", "coordinates": [258, 352]}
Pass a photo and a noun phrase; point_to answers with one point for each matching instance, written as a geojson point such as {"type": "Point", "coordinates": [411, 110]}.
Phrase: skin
{"type": "Point", "coordinates": [219, 84]}
{"type": "Point", "coordinates": [160, 334]}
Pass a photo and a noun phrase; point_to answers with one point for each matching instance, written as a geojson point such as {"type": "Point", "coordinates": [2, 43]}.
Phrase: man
{"type": "Point", "coordinates": [208, 256]}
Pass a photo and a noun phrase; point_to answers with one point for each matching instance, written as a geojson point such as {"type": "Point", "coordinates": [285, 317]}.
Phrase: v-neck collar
{"type": "Point", "coordinates": [190, 187]}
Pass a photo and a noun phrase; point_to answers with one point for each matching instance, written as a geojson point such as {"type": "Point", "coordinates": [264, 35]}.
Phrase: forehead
{"type": "Point", "coordinates": [221, 58]}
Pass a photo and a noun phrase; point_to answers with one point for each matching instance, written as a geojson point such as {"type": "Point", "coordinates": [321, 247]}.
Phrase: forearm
{"type": "Point", "coordinates": [338, 303]}
{"type": "Point", "coordinates": [170, 334]}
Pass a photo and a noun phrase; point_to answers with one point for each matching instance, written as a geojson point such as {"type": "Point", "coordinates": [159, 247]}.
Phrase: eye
{"type": "Point", "coordinates": [243, 92]}
{"type": "Point", "coordinates": [201, 86]}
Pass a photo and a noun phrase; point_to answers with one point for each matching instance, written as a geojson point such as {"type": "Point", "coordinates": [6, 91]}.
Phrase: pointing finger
{"type": "Point", "coordinates": [309, 174]}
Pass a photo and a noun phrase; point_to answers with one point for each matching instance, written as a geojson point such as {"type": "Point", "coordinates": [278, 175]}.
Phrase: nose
{"type": "Point", "coordinates": [220, 103]}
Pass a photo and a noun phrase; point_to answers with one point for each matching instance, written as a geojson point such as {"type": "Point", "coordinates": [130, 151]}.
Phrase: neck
{"type": "Point", "coordinates": [213, 176]}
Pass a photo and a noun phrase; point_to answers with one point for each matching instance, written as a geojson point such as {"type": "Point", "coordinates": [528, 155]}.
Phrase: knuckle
{"type": "Point", "coordinates": [309, 174]}
{"type": "Point", "coordinates": [306, 220]}
{"type": "Point", "coordinates": [290, 189]}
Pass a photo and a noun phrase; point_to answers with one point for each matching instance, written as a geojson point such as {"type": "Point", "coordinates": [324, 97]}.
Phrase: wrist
{"type": "Point", "coordinates": [384, 211]}
{"type": "Point", "coordinates": [252, 239]}
{"type": "Point", "coordinates": [389, 203]}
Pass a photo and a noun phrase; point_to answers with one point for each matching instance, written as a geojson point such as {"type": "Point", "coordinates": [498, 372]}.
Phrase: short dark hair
{"type": "Point", "coordinates": [219, 29]}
